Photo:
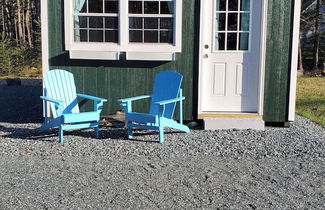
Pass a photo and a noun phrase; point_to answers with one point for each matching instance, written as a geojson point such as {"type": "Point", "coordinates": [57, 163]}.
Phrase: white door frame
{"type": "Point", "coordinates": [261, 59]}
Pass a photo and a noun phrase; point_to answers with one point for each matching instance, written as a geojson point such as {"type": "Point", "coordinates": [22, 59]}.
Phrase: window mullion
{"type": "Point", "coordinates": [123, 23]}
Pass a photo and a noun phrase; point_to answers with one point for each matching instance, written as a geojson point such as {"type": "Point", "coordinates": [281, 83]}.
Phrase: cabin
{"type": "Point", "coordinates": [238, 57]}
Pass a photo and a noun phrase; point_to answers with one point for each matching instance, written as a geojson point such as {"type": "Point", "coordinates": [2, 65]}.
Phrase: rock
{"type": "Point", "coordinates": [192, 125]}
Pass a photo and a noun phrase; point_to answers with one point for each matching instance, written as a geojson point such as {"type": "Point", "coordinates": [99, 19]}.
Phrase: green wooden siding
{"type": "Point", "coordinates": [278, 59]}
{"type": "Point", "coordinates": [119, 79]}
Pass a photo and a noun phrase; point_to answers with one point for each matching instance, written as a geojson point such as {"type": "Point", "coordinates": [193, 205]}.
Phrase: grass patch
{"type": "Point", "coordinates": [30, 73]}
{"type": "Point", "coordinates": [311, 98]}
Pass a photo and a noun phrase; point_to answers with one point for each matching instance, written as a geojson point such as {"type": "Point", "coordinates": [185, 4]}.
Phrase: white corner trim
{"type": "Point", "coordinates": [294, 61]}
{"type": "Point", "coordinates": [262, 57]}
{"type": "Point", "coordinates": [149, 56]}
{"type": "Point", "coordinates": [202, 8]}
{"type": "Point", "coordinates": [45, 46]}
{"type": "Point", "coordinates": [94, 55]}
{"type": "Point", "coordinates": [178, 30]}
{"type": "Point", "coordinates": [45, 38]}
{"type": "Point", "coordinates": [68, 24]}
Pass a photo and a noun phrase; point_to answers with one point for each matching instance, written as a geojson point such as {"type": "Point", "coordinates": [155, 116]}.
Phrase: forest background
{"type": "Point", "coordinates": [20, 38]}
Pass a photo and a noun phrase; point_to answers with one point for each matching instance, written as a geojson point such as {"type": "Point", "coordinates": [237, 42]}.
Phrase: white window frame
{"type": "Point", "coordinates": [111, 51]}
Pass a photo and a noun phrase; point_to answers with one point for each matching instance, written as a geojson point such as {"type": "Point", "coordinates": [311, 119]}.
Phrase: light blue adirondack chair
{"type": "Point", "coordinates": [60, 92]}
{"type": "Point", "coordinates": [166, 93]}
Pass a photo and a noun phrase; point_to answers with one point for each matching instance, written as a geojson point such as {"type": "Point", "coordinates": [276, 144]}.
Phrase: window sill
{"type": "Point", "coordinates": [94, 55]}
{"type": "Point", "coordinates": [134, 56]}
{"type": "Point", "coordinates": [150, 56]}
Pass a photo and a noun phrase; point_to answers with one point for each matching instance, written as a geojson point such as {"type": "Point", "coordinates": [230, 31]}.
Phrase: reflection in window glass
{"type": "Point", "coordinates": [232, 5]}
{"type": "Point", "coordinates": [220, 41]}
{"type": "Point", "coordinates": [245, 5]}
{"type": "Point", "coordinates": [111, 6]}
{"type": "Point", "coordinates": [221, 5]}
{"type": "Point", "coordinates": [166, 37]}
{"type": "Point", "coordinates": [95, 6]}
{"type": "Point", "coordinates": [111, 36]}
{"type": "Point", "coordinates": [221, 21]}
{"type": "Point", "coordinates": [244, 21]}
{"type": "Point", "coordinates": [135, 7]}
{"type": "Point", "coordinates": [135, 23]}
{"type": "Point", "coordinates": [232, 21]}
{"type": "Point", "coordinates": [166, 7]}
{"type": "Point", "coordinates": [166, 23]}
{"type": "Point", "coordinates": [243, 41]}
{"type": "Point", "coordinates": [81, 35]}
{"type": "Point", "coordinates": [232, 41]}
{"type": "Point", "coordinates": [151, 36]}
{"type": "Point", "coordinates": [96, 22]}
{"type": "Point", "coordinates": [82, 21]}
{"type": "Point", "coordinates": [151, 7]}
{"type": "Point", "coordinates": [111, 22]}
{"type": "Point", "coordinates": [96, 36]}
{"type": "Point", "coordinates": [135, 36]}
{"type": "Point", "coordinates": [151, 23]}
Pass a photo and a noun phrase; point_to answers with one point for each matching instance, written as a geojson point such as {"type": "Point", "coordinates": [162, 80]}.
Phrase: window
{"type": "Point", "coordinates": [232, 25]}
{"type": "Point", "coordinates": [151, 21]}
{"type": "Point", "coordinates": [96, 21]}
{"type": "Point", "coordinates": [142, 29]}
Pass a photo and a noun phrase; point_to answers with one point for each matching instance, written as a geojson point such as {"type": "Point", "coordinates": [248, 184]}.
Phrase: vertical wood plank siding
{"type": "Point", "coordinates": [119, 79]}
{"type": "Point", "coordinates": [278, 56]}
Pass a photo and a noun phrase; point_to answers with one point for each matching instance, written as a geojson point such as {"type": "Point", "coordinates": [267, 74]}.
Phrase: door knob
{"type": "Point", "coordinates": [206, 46]}
{"type": "Point", "coordinates": [205, 56]}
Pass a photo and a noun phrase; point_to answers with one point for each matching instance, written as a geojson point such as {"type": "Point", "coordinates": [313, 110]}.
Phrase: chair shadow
{"type": "Point", "coordinates": [119, 131]}
{"type": "Point", "coordinates": [25, 134]}
{"type": "Point", "coordinates": [35, 134]}
{"type": "Point", "coordinates": [120, 134]}
{"type": "Point", "coordinates": [106, 133]}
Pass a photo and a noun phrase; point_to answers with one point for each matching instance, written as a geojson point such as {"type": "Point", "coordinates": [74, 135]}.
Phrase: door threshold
{"type": "Point", "coordinates": [229, 115]}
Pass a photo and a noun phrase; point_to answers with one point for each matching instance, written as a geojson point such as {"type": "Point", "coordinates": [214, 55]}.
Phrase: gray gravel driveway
{"type": "Point", "coordinates": [279, 168]}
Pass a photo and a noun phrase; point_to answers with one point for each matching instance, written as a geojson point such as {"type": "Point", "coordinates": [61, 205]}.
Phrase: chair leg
{"type": "Point", "coordinates": [61, 139]}
{"type": "Point", "coordinates": [130, 133]}
{"type": "Point", "coordinates": [97, 132]}
{"type": "Point", "coordinates": [161, 134]}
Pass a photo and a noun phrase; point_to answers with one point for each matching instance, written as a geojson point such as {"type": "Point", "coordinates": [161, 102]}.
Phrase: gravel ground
{"type": "Point", "coordinates": [279, 168]}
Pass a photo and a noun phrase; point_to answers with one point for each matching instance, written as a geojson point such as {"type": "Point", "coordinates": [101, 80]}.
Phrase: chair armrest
{"type": "Point", "coordinates": [92, 97]}
{"type": "Point", "coordinates": [58, 102]}
{"type": "Point", "coordinates": [170, 101]}
{"type": "Point", "coordinates": [133, 98]}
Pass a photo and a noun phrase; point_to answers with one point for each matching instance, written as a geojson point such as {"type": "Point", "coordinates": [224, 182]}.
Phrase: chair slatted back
{"type": "Point", "coordinates": [166, 86]}
{"type": "Point", "coordinates": [60, 85]}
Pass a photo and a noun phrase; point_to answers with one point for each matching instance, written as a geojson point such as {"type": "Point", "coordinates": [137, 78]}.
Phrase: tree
{"type": "Point", "coordinates": [19, 21]}
{"type": "Point", "coordinates": [19, 36]}
{"type": "Point", "coordinates": [28, 25]}
{"type": "Point", "coordinates": [20, 27]}
{"type": "Point", "coordinates": [312, 33]}
{"type": "Point", "coordinates": [316, 35]}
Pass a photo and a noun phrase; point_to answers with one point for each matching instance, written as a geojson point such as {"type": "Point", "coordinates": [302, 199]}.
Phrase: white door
{"type": "Point", "coordinates": [229, 75]}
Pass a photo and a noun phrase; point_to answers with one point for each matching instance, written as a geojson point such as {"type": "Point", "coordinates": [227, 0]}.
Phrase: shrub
{"type": "Point", "coordinates": [15, 61]}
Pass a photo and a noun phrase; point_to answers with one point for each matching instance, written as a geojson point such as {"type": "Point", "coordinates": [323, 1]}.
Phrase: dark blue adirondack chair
{"type": "Point", "coordinates": [60, 92]}
{"type": "Point", "coordinates": [166, 93]}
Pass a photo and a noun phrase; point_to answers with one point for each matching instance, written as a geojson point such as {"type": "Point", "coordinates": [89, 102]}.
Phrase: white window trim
{"type": "Point", "coordinates": [111, 51]}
